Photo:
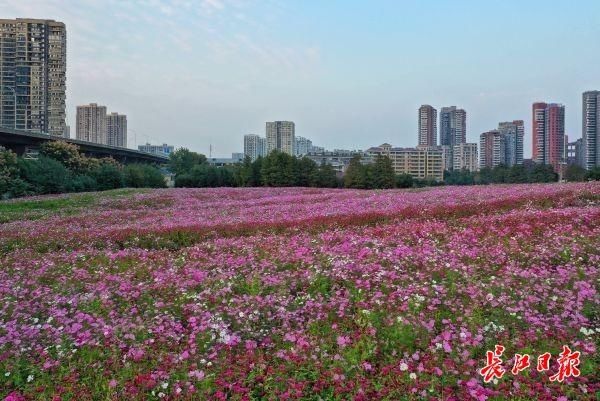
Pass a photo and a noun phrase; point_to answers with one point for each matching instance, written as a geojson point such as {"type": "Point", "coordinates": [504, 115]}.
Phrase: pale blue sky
{"type": "Point", "coordinates": [351, 74]}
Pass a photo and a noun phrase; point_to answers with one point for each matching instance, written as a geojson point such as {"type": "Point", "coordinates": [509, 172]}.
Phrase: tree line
{"type": "Point", "coordinates": [520, 173]}
{"type": "Point", "coordinates": [61, 168]}
{"type": "Point", "coordinates": [277, 169]}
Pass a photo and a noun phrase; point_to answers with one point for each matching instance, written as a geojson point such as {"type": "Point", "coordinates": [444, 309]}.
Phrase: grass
{"type": "Point", "coordinates": [40, 207]}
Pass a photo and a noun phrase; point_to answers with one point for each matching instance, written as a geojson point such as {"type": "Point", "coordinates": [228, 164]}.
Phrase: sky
{"type": "Point", "coordinates": [351, 74]}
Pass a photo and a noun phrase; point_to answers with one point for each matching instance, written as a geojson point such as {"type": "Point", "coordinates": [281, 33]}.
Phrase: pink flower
{"type": "Point", "coordinates": [14, 396]}
{"type": "Point", "coordinates": [343, 341]}
{"type": "Point", "coordinates": [197, 374]}
{"type": "Point", "coordinates": [112, 383]}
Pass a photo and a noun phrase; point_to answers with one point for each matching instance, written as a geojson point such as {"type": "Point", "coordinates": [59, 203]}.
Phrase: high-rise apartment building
{"type": "Point", "coordinates": [575, 154]}
{"type": "Point", "coordinates": [492, 148]}
{"type": "Point", "coordinates": [116, 130]}
{"type": "Point", "coordinates": [538, 132]}
{"type": "Point", "coordinates": [427, 125]}
{"type": "Point", "coordinates": [591, 129]}
{"type": "Point", "coordinates": [254, 146]}
{"type": "Point", "coordinates": [33, 64]}
{"type": "Point", "coordinates": [548, 133]}
{"type": "Point", "coordinates": [513, 132]}
{"type": "Point", "coordinates": [281, 136]}
{"type": "Point", "coordinates": [91, 123]}
{"type": "Point", "coordinates": [303, 146]}
{"type": "Point", "coordinates": [453, 126]}
{"type": "Point", "coordinates": [465, 157]}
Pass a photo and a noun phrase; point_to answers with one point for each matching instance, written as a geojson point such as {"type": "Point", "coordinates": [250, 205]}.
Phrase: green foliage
{"type": "Point", "coordinates": [356, 175]}
{"type": "Point", "coordinates": [379, 175]}
{"type": "Point", "coordinates": [459, 177]}
{"type": "Point", "coordinates": [502, 174]}
{"type": "Point", "coordinates": [594, 174]}
{"type": "Point", "coordinates": [82, 183]}
{"type": "Point", "coordinates": [382, 173]}
{"type": "Point", "coordinates": [575, 173]}
{"type": "Point", "coordinates": [201, 176]}
{"type": "Point", "coordinates": [108, 176]}
{"type": "Point", "coordinates": [143, 176]}
{"type": "Point", "coordinates": [426, 182]}
{"type": "Point", "coordinates": [304, 170]}
{"type": "Point", "coordinates": [183, 160]}
{"type": "Point", "coordinates": [65, 153]}
{"type": "Point", "coordinates": [278, 170]}
{"type": "Point", "coordinates": [324, 177]}
{"type": "Point", "coordinates": [11, 185]}
{"type": "Point", "coordinates": [543, 173]}
{"type": "Point", "coordinates": [404, 181]}
{"type": "Point", "coordinates": [46, 176]}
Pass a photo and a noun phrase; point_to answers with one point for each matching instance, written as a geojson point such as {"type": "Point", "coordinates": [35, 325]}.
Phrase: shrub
{"type": "Point", "coordinates": [82, 183]}
{"type": "Point", "coordinates": [63, 152]}
{"type": "Point", "coordinates": [108, 176]}
{"type": "Point", "coordinates": [404, 181]}
{"type": "Point", "coordinates": [143, 176]}
{"type": "Point", "coordinates": [11, 185]}
{"type": "Point", "coordinates": [45, 175]}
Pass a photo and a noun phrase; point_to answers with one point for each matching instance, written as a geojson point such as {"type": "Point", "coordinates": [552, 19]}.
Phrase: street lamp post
{"type": "Point", "coordinates": [14, 104]}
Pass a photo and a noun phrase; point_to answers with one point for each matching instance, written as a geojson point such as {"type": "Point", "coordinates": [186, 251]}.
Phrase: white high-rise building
{"type": "Point", "coordinates": [513, 132]}
{"type": "Point", "coordinates": [116, 130]}
{"type": "Point", "coordinates": [281, 136]}
{"type": "Point", "coordinates": [33, 65]}
{"type": "Point", "coordinates": [465, 157]}
{"type": "Point", "coordinates": [453, 126]}
{"type": "Point", "coordinates": [591, 129]}
{"type": "Point", "coordinates": [91, 123]}
{"type": "Point", "coordinates": [303, 146]}
{"type": "Point", "coordinates": [254, 146]}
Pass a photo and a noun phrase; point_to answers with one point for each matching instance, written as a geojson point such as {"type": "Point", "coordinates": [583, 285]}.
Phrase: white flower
{"type": "Point", "coordinates": [413, 375]}
{"type": "Point", "coordinates": [7, 374]}
{"type": "Point", "coordinates": [29, 378]}
{"type": "Point", "coordinates": [161, 395]}
{"type": "Point", "coordinates": [403, 366]}
{"type": "Point", "coordinates": [165, 385]}
{"type": "Point", "coordinates": [495, 381]}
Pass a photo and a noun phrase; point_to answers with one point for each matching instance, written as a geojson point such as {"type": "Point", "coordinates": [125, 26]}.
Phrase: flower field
{"type": "Point", "coordinates": [299, 294]}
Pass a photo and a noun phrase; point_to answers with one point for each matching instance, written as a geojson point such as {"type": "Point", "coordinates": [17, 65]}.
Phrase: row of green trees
{"type": "Point", "coordinates": [61, 168]}
{"type": "Point", "coordinates": [278, 169]}
{"type": "Point", "coordinates": [519, 174]}
{"type": "Point", "coordinates": [502, 174]}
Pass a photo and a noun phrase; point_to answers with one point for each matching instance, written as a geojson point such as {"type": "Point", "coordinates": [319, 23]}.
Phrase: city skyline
{"type": "Point", "coordinates": [339, 98]}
